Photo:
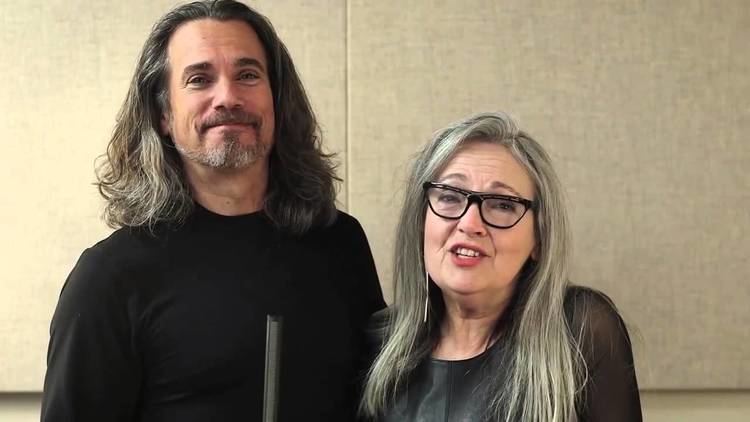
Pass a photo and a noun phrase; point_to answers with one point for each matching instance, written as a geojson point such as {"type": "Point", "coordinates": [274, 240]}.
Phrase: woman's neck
{"type": "Point", "coordinates": [467, 330]}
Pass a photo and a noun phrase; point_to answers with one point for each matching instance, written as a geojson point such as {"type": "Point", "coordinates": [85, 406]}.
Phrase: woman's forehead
{"type": "Point", "coordinates": [489, 167]}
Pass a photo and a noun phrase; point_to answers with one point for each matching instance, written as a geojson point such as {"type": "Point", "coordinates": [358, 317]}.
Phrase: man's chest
{"type": "Point", "coordinates": [202, 329]}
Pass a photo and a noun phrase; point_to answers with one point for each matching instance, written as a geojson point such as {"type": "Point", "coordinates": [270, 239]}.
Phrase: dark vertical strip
{"type": "Point", "coordinates": [273, 368]}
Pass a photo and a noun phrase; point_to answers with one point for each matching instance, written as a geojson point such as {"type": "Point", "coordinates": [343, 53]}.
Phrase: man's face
{"type": "Point", "coordinates": [220, 101]}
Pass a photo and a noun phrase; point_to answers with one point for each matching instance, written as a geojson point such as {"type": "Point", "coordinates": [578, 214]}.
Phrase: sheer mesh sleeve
{"type": "Point", "coordinates": [611, 390]}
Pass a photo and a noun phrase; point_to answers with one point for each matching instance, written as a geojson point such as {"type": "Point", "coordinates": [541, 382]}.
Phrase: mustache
{"type": "Point", "coordinates": [230, 117]}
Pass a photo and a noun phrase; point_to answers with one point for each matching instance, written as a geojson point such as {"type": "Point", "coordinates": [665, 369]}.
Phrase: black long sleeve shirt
{"type": "Point", "coordinates": [170, 326]}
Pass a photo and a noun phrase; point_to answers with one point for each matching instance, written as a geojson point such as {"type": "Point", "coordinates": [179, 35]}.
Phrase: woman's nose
{"type": "Point", "coordinates": [471, 222]}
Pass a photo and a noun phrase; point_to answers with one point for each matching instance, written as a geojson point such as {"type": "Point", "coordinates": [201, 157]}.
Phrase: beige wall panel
{"type": "Point", "coordinates": [696, 406]}
{"type": "Point", "coordinates": [643, 106]}
{"type": "Point", "coordinates": [66, 67]}
{"type": "Point", "coordinates": [20, 407]}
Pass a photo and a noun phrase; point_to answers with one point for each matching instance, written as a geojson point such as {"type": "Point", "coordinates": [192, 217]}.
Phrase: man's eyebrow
{"type": "Point", "coordinates": [194, 68]}
{"type": "Point", "coordinates": [203, 66]}
{"type": "Point", "coordinates": [249, 61]}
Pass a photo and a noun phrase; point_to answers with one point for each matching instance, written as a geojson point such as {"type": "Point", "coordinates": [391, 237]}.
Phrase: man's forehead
{"type": "Point", "coordinates": [207, 40]}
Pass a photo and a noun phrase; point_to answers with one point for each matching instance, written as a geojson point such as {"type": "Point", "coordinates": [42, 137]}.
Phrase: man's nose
{"type": "Point", "coordinates": [226, 94]}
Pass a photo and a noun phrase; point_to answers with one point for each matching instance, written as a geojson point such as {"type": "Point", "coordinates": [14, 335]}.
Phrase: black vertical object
{"type": "Point", "coordinates": [273, 367]}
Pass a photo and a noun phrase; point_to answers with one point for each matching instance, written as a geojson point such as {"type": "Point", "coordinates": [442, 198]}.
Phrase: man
{"type": "Point", "coordinates": [224, 205]}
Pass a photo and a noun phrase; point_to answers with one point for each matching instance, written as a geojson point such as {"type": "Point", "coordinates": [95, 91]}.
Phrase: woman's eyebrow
{"type": "Point", "coordinates": [495, 185]}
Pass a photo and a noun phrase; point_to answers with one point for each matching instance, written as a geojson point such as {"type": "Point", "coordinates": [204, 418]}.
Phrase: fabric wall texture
{"type": "Point", "coordinates": [642, 105]}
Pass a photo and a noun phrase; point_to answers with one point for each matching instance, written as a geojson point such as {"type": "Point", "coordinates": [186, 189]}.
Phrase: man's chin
{"type": "Point", "coordinates": [225, 157]}
{"type": "Point", "coordinates": [215, 137]}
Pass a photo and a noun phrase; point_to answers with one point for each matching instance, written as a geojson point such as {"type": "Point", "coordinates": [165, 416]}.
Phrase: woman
{"type": "Point", "coordinates": [485, 325]}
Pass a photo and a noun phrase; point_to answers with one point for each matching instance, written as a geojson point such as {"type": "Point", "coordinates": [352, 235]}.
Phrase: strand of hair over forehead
{"type": "Point", "coordinates": [544, 362]}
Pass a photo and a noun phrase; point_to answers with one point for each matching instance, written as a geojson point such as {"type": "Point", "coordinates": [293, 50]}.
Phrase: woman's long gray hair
{"type": "Point", "coordinates": [540, 373]}
{"type": "Point", "coordinates": [142, 177]}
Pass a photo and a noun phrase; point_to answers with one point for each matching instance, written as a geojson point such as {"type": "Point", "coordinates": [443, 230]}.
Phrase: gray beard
{"type": "Point", "coordinates": [229, 155]}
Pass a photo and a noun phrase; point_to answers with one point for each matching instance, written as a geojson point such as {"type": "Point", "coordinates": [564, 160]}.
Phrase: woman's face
{"type": "Point", "coordinates": [466, 258]}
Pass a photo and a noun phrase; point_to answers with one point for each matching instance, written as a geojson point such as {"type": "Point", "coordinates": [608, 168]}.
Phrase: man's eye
{"type": "Point", "coordinates": [197, 80]}
{"type": "Point", "coordinates": [249, 76]}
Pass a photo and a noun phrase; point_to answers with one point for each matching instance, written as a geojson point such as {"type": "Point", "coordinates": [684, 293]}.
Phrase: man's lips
{"type": "Point", "coordinates": [231, 126]}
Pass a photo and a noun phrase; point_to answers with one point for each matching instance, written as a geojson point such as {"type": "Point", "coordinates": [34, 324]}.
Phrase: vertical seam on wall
{"type": "Point", "coordinates": [347, 138]}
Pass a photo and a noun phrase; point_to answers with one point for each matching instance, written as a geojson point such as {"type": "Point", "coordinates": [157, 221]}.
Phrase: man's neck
{"type": "Point", "coordinates": [228, 191]}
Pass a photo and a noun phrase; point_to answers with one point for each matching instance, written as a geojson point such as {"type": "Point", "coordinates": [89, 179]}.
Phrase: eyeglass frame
{"type": "Point", "coordinates": [478, 198]}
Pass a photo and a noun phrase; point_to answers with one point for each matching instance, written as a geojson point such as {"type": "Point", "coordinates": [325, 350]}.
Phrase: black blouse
{"type": "Point", "coordinates": [452, 391]}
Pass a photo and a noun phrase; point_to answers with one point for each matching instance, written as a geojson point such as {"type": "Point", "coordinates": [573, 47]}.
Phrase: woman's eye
{"type": "Point", "coordinates": [449, 198]}
{"type": "Point", "coordinates": [503, 205]}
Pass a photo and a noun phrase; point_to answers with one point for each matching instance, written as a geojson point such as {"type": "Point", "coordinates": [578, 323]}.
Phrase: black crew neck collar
{"type": "Point", "coordinates": [202, 211]}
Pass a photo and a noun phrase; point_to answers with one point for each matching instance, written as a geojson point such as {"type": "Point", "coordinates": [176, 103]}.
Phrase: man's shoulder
{"type": "Point", "coordinates": [127, 241]}
{"type": "Point", "coordinates": [98, 278]}
{"type": "Point", "coordinates": [125, 248]}
{"type": "Point", "coordinates": [345, 224]}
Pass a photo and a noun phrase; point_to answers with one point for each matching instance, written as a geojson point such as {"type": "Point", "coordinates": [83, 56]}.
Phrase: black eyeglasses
{"type": "Point", "coordinates": [499, 211]}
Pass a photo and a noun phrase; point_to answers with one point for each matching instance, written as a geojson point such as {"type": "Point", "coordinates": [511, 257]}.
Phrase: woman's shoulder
{"type": "Point", "coordinates": [580, 300]}
{"type": "Point", "coordinates": [595, 323]}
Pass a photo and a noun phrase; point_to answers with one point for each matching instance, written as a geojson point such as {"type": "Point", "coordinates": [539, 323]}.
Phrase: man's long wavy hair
{"type": "Point", "coordinates": [141, 176]}
{"type": "Point", "coordinates": [539, 373]}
